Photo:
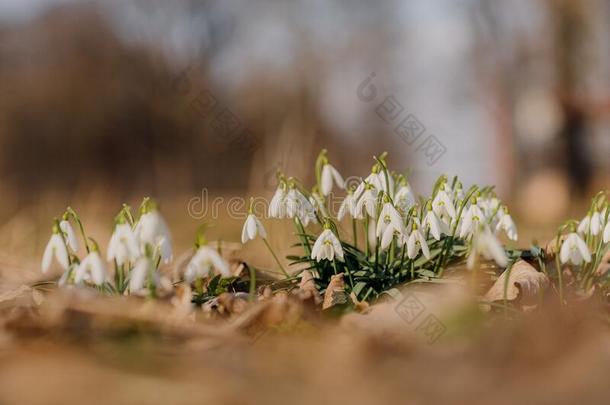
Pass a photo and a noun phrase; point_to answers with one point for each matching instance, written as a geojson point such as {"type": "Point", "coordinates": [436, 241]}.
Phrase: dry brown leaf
{"type": "Point", "coordinates": [524, 285]}
{"type": "Point", "coordinates": [335, 292]}
{"type": "Point", "coordinates": [307, 288]}
{"type": "Point", "coordinates": [604, 265]}
{"type": "Point", "coordinates": [552, 247]}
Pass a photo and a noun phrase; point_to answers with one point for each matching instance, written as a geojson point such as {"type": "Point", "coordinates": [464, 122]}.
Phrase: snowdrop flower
{"type": "Point", "coordinates": [252, 228]}
{"type": "Point", "coordinates": [277, 206]}
{"type": "Point", "coordinates": [367, 202]}
{"type": "Point", "coordinates": [92, 269]}
{"type": "Point", "coordinates": [404, 198]}
{"type": "Point", "coordinates": [607, 233]}
{"type": "Point", "coordinates": [330, 174]}
{"type": "Point", "coordinates": [203, 262]}
{"type": "Point", "coordinates": [68, 231]}
{"type": "Point", "coordinates": [435, 225]}
{"type": "Point", "coordinates": [123, 246]}
{"type": "Point", "coordinates": [347, 206]}
{"type": "Point", "coordinates": [442, 205]}
{"type": "Point", "coordinates": [327, 247]}
{"type": "Point", "coordinates": [140, 275]}
{"type": "Point", "coordinates": [574, 250]}
{"type": "Point", "coordinates": [297, 205]}
{"type": "Point", "coordinates": [490, 208]}
{"type": "Point", "coordinates": [388, 236]}
{"type": "Point", "coordinates": [417, 242]}
{"type": "Point", "coordinates": [593, 223]}
{"type": "Point", "coordinates": [388, 218]}
{"type": "Point", "coordinates": [485, 244]}
{"type": "Point", "coordinates": [56, 248]}
{"type": "Point", "coordinates": [472, 219]}
{"type": "Point", "coordinates": [152, 230]}
{"type": "Point", "coordinates": [507, 224]}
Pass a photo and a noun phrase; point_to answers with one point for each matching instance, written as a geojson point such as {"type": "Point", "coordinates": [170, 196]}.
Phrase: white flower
{"type": "Point", "coordinates": [297, 205]}
{"type": "Point", "coordinates": [252, 228]}
{"type": "Point", "coordinates": [490, 208]}
{"type": "Point", "coordinates": [597, 223]}
{"type": "Point", "coordinates": [71, 238]}
{"type": "Point", "coordinates": [205, 260]}
{"type": "Point", "coordinates": [507, 224]}
{"type": "Point", "coordinates": [485, 244]}
{"type": "Point", "coordinates": [329, 173]}
{"type": "Point", "coordinates": [442, 205]}
{"type": "Point", "coordinates": [574, 250]}
{"type": "Point", "coordinates": [415, 242]}
{"type": "Point", "coordinates": [56, 248]}
{"type": "Point", "coordinates": [347, 206]}
{"type": "Point", "coordinates": [435, 225]}
{"type": "Point", "coordinates": [123, 246]}
{"type": "Point", "coordinates": [388, 218]}
{"type": "Point", "coordinates": [277, 206]}
{"type": "Point", "coordinates": [139, 275]}
{"type": "Point", "coordinates": [404, 198]}
{"type": "Point", "coordinates": [607, 233]}
{"type": "Point", "coordinates": [153, 230]}
{"type": "Point", "coordinates": [327, 247]}
{"type": "Point", "coordinates": [472, 219]}
{"type": "Point", "coordinates": [368, 203]}
{"type": "Point", "coordinates": [389, 235]}
{"type": "Point", "coordinates": [92, 269]}
{"type": "Point", "coordinates": [593, 223]}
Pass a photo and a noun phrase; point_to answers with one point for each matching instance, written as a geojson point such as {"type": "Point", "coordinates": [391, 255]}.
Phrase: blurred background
{"type": "Point", "coordinates": [107, 101]}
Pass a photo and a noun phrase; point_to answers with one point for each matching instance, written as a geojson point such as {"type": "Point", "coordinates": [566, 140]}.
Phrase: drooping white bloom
{"type": "Point", "coordinates": [435, 225]}
{"type": "Point", "coordinates": [472, 219]}
{"type": "Point", "coordinates": [442, 205]}
{"type": "Point", "coordinates": [327, 247]}
{"type": "Point", "coordinates": [153, 230]}
{"type": "Point", "coordinates": [507, 224]}
{"type": "Point", "coordinates": [367, 203]}
{"type": "Point", "coordinates": [388, 236]}
{"type": "Point", "coordinates": [574, 250]}
{"type": "Point", "coordinates": [417, 242]}
{"type": "Point", "coordinates": [490, 208]}
{"type": "Point", "coordinates": [388, 218]}
{"type": "Point", "coordinates": [252, 228]}
{"type": "Point", "coordinates": [140, 275]}
{"type": "Point", "coordinates": [277, 206]}
{"type": "Point", "coordinates": [68, 231]}
{"type": "Point", "coordinates": [607, 233]}
{"type": "Point", "coordinates": [92, 270]}
{"type": "Point", "coordinates": [597, 223]}
{"type": "Point", "coordinates": [404, 198]}
{"type": "Point", "coordinates": [297, 205]}
{"type": "Point", "coordinates": [348, 205]}
{"type": "Point", "coordinates": [485, 244]}
{"type": "Point", "coordinates": [123, 246]}
{"type": "Point", "coordinates": [56, 248]}
{"type": "Point", "coordinates": [203, 262]}
{"type": "Point", "coordinates": [329, 173]}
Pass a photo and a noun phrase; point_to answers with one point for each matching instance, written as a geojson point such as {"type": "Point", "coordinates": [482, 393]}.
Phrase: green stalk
{"type": "Point", "coordinates": [275, 257]}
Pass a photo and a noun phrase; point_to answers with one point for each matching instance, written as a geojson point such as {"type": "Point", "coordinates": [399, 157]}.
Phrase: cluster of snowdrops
{"type": "Point", "coordinates": [382, 235]}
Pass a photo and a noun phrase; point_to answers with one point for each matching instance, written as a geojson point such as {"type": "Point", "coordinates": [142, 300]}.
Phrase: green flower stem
{"type": "Point", "coordinates": [80, 227]}
{"type": "Point", "coordinates": [252, 292]}
{"type": "Point", "coordinates": [559, 275]}
{"type": "Point", "coordinates": [355, 232]}
{"type": "Point", "coordinates": [275, 257]}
